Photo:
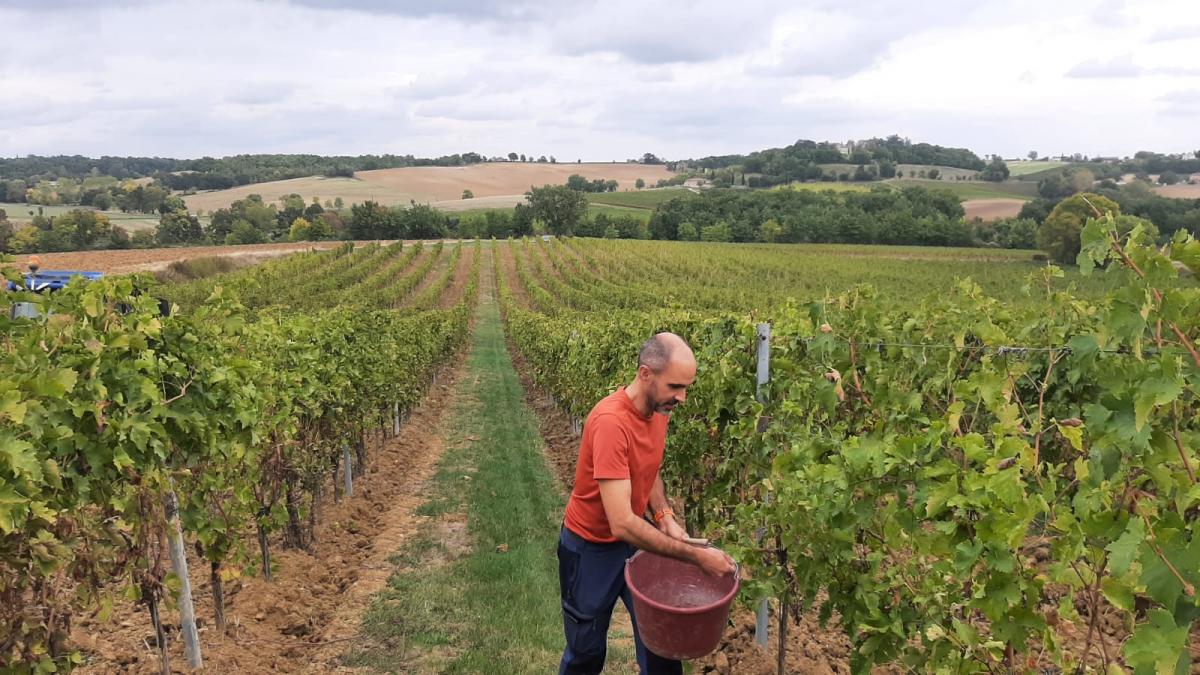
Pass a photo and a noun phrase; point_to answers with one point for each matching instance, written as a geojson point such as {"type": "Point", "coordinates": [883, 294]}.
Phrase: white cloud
{"type": "Point", "coordinates": [591, 80]}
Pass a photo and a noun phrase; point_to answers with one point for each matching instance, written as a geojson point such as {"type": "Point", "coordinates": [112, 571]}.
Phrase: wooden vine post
{"type": "Point", "coordinates": [187, 612]}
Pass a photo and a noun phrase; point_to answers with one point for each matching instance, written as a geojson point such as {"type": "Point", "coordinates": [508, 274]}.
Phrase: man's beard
{"type": "Point", "coordinates": [665, 407]}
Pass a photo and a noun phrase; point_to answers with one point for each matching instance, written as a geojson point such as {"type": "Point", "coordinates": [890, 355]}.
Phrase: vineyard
{"type": "Point", "coordinates": [959, 460]}
{"type": "Point", "coordinates": [995, 475]}
{"type": "Point", "coordinates": [218, 433]}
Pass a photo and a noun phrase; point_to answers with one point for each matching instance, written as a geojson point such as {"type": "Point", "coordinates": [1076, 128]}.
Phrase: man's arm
{"type": "Point", "coordinates": [630, 528]}
{"type": "Point", "coordinates": [658, 501]}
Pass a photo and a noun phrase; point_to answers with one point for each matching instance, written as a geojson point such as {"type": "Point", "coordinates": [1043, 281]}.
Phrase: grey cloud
{"type": "Point", "coordinates": [1184, 96]}
{"type": "Point", "coordinates": [466, 10]}
{"type": "Point", "coordinates": [1176, 33]}
{"type": "Point", "coordinates": [660, 33]}
{"type": "Point", "coordinates": [1121, 66]}
{"type": "Point", "coordinates": [260, 93]}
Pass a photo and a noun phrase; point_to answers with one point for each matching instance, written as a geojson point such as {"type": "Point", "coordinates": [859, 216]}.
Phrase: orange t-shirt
{"type": "Point", "coordinates": [618, 442]}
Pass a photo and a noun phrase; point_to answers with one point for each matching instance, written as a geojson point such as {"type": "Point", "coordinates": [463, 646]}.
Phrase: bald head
{"type": "Point", "coordinates": [659, 351]}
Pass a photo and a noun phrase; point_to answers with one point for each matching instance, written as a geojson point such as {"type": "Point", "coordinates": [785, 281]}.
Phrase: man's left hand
{"type": "Point", "coordinates": [672, 529]}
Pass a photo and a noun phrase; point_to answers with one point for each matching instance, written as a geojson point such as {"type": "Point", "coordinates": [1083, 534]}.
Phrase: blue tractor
{"type": "Point", "coordinates": [43, 281]}
{"type": "Point", "coordinates": [38, 280]}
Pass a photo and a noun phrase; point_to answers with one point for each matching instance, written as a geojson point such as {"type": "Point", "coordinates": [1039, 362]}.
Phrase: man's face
{"type": "Point", "coordinates": [668, 388]}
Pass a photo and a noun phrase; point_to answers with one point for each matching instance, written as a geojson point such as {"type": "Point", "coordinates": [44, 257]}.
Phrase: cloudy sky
{"type": "Point", "coordinates": [597, 80]}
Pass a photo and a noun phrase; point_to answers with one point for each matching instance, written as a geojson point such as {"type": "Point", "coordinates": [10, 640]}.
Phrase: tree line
{"type": "Point", "coordinates": [208, 173]}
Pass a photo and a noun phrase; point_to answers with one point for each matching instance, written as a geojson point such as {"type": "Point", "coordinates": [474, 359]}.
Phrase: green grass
{"type": "Point", "coordinates": [974, 189]}
{"type": "Point", "coordinates": [620, 212]}
{"type": "Point", "coordinates": [24, 213]}
{"type": "Point", "coordinates": [1027, 168]}
{"type": "Point", "coordinates": [642, 199]}
{"type": "Point", "coordinates": [480, 610]}
{"type": "Point", "coordinates": [835, 187]}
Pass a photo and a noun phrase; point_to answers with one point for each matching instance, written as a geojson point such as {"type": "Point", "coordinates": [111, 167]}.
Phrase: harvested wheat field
{"type": "Point", "coordinates": [1179, 190]}
{"type": "Point", "coordinates": [992, 209]}
{"type": "Point", "coordinates": [428, 184]}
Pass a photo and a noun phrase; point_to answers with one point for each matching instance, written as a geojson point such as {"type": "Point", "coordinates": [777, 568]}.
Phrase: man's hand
{"type": "Point", "coordinates": [714, 561]}
{"type": "Point", "coordinates": [672, 529]}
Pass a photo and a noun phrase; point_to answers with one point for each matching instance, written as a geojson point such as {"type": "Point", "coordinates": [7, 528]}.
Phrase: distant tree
{"type": "Point", "coordinates": [102, 201]}
{"type": "Point", "coordinates": [770, 231]}
{"type": "Point", "coordinates": [372, 220]}
{"type": "Point", "coordinates": [688, 232]}
{"type": "Point", "coordinates": [639, 183]}
{"type": "Point", "coordinates": [1059, 234]}
{"type": "Point", "coordinates": [522, 157]}
{"type": "Point", "coordinates": [522, 220]}
{"type": "Point", "coordinates": [578, 183]}
{"type": "Point", "coordinates": [996, 171]}
{"type": "Point", "coordinates": [118, 238]}
{"type": "Point", "coordinates": [178, 227]}
{"type": "Point", "coordinates": [467, 194]}
{"type": "Point", "coordinates": [651, 158]}
{"type": "Point", "coordinates": [142, 239]}
{"type": "Point", "coordinates": [1037, 210]}
{"type": "Point", "coordinates": [1033, 155]}
{"type": "Point", "coordinates": [1168, 178]}
{"type": "Point", "coordinates": [244, 232]}
{"type": "Point", "coordinates": [718, 232]}
{"type": "Point", "coordinates": [610, 185]}
{"type": "Point", "coordinates": [421, 221]}
{"type": "Point", "coordinates": [512, 156]}
{"type": "Point", "coordinates": [300, 230]}
{"type": "Point", "coordinates": [934, 174]}
{"type": "Point", "coordinates": [339, 203]}
{"type": "Point", "coordinates": [6, 232]}
{"type": "Point", "coordinates": [887, 169]}
{"type": "Point", "coordinates": [922, 173]}
{"type": "Point", "coordinates": [542, 159]}
{"type": "Point", "coordinates": [560, 208]}
{"type": "Point", "coordinates": [611, 232]}
{"type": "Point", "coordinates": [553, 160]}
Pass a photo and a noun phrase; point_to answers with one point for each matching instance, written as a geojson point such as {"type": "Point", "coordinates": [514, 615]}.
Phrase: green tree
{"type": "Point", "coordinates": [639, 183]}
{"type": "Point", "coordinates": [6, 231]}
{"type": "Point", "coordinates": [688, 232]}
{"type": "Point", "coordinates": [512, 156]}
{"type": "Point", "coordinates": [997, 171]}
{"type": "Point", "coordinates": [1059, 234]}
{"type": "Point", "coordinates": [244, 232]}
{"type": "Point", "coordinates": [467, 194]}
{"type": "Point", "coordinates": [718, 232]}
{"type": "Point", "coordinates": [339, 203]}
{"type": "Point", "coordinates": [178, 227]}
{"type": "Point", "coordinates": [578, 183]}
{"type": "Point", "coordinates": [1168, 178]}
{"type": "Point", "coordinates": [934, 174]}
{"type": "Point", "coordinates": [522, 220]}
{"type": "Point", "coordinates": [560, 208]}
{"type": "Point", "coordinates": [770, 231]}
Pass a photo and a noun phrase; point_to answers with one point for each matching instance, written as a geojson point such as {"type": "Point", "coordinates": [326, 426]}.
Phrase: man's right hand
{"type": "Point", "coordinates": [713, 561]}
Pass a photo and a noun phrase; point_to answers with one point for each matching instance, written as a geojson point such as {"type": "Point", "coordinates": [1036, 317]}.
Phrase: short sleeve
{"type": "Point", "coordinates": [610, 449]}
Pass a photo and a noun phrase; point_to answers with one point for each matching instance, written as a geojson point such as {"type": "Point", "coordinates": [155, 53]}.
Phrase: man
{"type": "Point", "coordinates": [616, 479]}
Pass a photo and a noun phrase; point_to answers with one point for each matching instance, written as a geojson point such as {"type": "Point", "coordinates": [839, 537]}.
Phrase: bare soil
{"type": "Point", "coordinates": [127, 261]}
{"type": "Point", "coordinates": [508, 269]}
{"type": "Point", "coordinates": [303, 620]}
{"type": "Point", "coordinates": [992, 209]}
{"type": "Point", "coordinates": [462, 276]}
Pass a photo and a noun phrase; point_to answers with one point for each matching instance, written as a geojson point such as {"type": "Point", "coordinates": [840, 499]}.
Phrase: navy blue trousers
{"type": "Point", "coordinates": [591, 577]}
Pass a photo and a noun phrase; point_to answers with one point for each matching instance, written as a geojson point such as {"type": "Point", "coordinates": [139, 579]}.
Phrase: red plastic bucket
{"type": "Point", "coordinates": [681, 611]}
